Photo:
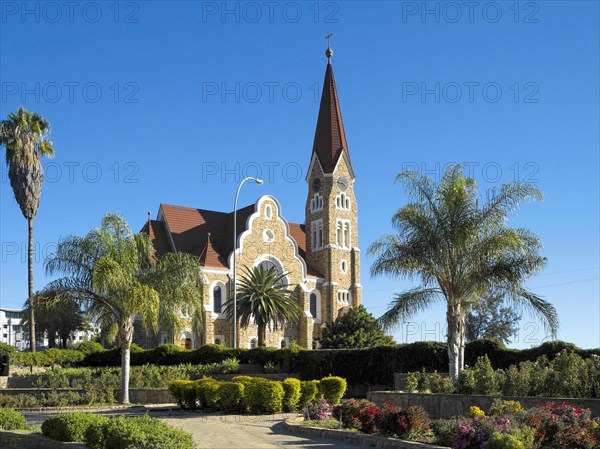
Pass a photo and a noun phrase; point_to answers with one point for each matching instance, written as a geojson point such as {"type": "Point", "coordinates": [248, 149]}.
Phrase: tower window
{"type": "Point", "coordinates": [315, 306]}
{"type": "Point", "coordinates": [217, 299]}
{"type": "Point", "coordinates": [343, 296]}
{"type": "Point", "coordinates": [268, 235]}
{"type": "Point", "coordinates": [344, 266]}
{"type": "Point", "coordinates": [343, 234]}
{"type": "Point", "coordinates": [316, 231]}
{"type": "Point", "coordinates": [342, 201]}
{"type": "Point", "coordinates": [316, 203]}
{"type": "Point", "coordinates": [268, 211]}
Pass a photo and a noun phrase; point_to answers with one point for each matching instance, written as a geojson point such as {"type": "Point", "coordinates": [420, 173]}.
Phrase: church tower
{"type": "Point", "coordinates": [331, 208]}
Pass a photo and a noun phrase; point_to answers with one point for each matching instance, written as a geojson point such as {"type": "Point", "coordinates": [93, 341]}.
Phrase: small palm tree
{"type": "Point", "coordinates": [24, 134]}
{"type": "Point", "coordinates": [111, 270]}
{"type": "Point", "coordinates": [461, 251]}
{"type": "Point", "coordinates": [264, 299]}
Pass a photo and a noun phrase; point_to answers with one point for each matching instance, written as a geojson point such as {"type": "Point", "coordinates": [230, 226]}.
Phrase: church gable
{"type": "Point", "coordinates": [268, 237]}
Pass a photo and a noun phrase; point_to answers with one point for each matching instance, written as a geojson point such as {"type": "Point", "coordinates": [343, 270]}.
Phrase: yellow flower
{"type": "Point", "coordinates": [475, 411]}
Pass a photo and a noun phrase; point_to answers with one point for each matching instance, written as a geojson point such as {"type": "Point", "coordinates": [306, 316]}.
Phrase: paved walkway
{"type": "Point", "coordinates": [213, 431]}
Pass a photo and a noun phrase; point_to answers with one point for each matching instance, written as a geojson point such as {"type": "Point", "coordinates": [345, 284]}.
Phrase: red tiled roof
{"type": "Point", "coordinates": [158, 236]}
{"type": "Point", "coordinates": [330, 138]}
{"type": "Point", "coordinates": [207, 234]}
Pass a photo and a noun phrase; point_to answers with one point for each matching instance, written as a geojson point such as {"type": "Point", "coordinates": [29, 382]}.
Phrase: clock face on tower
{"type": "Point", "coordinates": [316, 185]}
{"type": "Point", "coordinates": [342, 182]}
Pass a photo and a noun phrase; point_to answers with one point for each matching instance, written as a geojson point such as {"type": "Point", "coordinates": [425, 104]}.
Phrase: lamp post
{"type": "Point", "coordinates": [259, 182]}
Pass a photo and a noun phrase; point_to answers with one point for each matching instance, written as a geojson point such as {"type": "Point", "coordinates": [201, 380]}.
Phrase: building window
{"type": "Point", "coordinates": [343, 296]}
{"type": "Point", "coordinates": [316, 229]}
{"type": "Point", "coordinates": [268, 211]}
{"type": "Point", "coordinates": [253, 343]}
{"type": "Point", "coordinates": [342, 201]}
{"type": "Point", "coordinates": [343, 234]}
{"type": "Point", "coordinates": [344, 266]}
{"type": "Point", "coordinates": [268, 235]}
{"type": "Point", "coordinates": [283, 344]}
{"type": "Point", "coordinates": [218, 299]}
{"type": "Point", "coordinates": [316, 203]}
{"type": "Point", "coordinates": [315, 305]}
{"type": "Point", "coordinates": [218, 339]}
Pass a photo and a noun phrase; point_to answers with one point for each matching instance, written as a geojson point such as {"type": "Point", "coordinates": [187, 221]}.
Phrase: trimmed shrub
{"type": "Point", "coordinates": [184, 392]}
{"type": "Point", "coordinates": [291, 388]}
{"type": "Point", "coordinates": [231, 396]}
{"type": "Point", "coordinates": [6, 351]}
{"type": "Point", "coordinates": [309, 389]}
{"type": "Point", "coordinates": [333, 388]}
{"type": "Point", "coordinates": [207, 392]}
{"type": "Point", "coordinates": [136, 433]}
{"type": "Point", "coordinates": [264, 396]}
{"type": "Point", "coordinates": [11, 419]}
{"type": "Point", "coordinates": [70, 426]}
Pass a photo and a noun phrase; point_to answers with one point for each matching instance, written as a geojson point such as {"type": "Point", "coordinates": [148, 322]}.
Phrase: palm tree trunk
{"type": "Point", "coordinates": [453, 342]}
{"type": "Point", "coordinates": [30, 285]}
{"type": "Point", "coordinates": [126, 360]}
{"type": "Point", "coordinates": [262, 335]}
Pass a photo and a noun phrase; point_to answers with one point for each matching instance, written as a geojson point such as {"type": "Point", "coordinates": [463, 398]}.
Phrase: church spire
{"type": "Point", "coordinates": [330, 138]}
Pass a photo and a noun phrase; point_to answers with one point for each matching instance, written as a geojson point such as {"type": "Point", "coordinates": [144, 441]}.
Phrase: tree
{"type": "Point", "coordinates": [355, 329]}
{"type": "Point", "coordinates": [56, 317]}
{"type": "Point", "coordinates": [24, 134]}
{"type": "Point", "coordinates": [460, 250]}
{"type": "Point", "coordinates": [112, 270]}
{"type": "Point", "coordinates": [264, 299]}
{"type": "Point", "coordinates": [490, 318]}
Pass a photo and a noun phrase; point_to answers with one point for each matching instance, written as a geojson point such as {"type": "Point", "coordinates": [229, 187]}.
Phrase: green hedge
{"type": "Point", "coordinates": [11, 419]}
{"type": "Point", "coordinates": [135, 433]}
{"type": "Point", "coordinates": [369, 366]}
{"type": "Point", "coordinates": [255, 394]}
{"type": "Point", "coordinates": [70, 426]}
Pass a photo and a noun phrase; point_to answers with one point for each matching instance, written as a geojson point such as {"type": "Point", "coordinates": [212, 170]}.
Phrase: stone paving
{"type": "Point", "coordinates": [213, 431]}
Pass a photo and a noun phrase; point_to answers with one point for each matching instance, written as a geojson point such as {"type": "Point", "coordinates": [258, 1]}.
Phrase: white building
{"type": "Point", "coordinates": [12, 331]}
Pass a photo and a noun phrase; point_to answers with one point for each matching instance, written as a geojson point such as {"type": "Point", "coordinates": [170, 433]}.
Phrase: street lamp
{"type": "Point", "coordinates": [259, 182]}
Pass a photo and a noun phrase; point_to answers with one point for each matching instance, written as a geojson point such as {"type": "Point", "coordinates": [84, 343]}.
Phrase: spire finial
{"type": "Point", "coordinates": [329, 51]}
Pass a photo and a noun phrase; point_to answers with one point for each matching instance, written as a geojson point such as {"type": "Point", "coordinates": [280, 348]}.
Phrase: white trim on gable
{"type": "Point", "coordinates": [277, 216]}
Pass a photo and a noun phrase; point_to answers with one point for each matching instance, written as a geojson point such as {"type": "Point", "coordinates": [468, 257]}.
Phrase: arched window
{"type": "Point", "coordinates": [268, 211]}
{"type": "Point", "coordinates": [253, 343]}
{"type": "Point", "coordinates": [218, 299]}
{"type": "Point", "coordinates": [315, 305]}
{"type": "Point", "coordinates": [266, 265]}
{"type": "Point", "coordinates": [283, 344]}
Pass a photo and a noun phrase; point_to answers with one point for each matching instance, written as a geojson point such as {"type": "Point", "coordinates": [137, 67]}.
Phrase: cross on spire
{"type": "Point", "coordinates": [329, 51]}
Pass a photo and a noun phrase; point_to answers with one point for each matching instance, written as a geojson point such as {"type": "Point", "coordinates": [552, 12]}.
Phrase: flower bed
{"type": "Point", "coordinates": [506, 425]}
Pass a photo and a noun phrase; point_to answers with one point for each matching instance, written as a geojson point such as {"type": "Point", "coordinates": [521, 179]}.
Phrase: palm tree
{"type": "Point", "coordinates": [24, 135]}
{"type": "Point", "coordinates": [461, 251]}
{"type": "Point", "coordinates": [112, 271]}
{"type": "Point", "coordinates": [264, 299]}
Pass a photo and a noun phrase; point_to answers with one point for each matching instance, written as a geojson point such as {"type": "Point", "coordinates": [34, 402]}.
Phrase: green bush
{"type": "Point", "coordinates": [11, 419]}
{"type": "Point", "coordinates": [90, 347]}
{"type": "Point", "coordinates": [309, 389]}
{"type": "Point", "coordinates": [485, 377]}
{"type": "Point", "coordinates": [136, 433]}
{"type": "Point", "coordinates": [231, 396]}
{"type": "Point", "coordinates": [332, 388]}
{"type": "Point", "coordinates": [207, 392]}
{"type": "Point", "coordinates": [291, 388]}
{"type": "Point", "coordinates": [6, 351]}
{"type": "Point", "coordinates": [411, 382]}
{"type": "Point", "coordinates": [184, 392]}
{"type": "Point", "coordinates": [264, 396]}
{"type": "Point", "coordinates": [70, 426]}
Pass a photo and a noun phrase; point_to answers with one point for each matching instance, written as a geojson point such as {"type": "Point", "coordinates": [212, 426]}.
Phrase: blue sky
{"type": "Point", "coordinates": [156, 102]}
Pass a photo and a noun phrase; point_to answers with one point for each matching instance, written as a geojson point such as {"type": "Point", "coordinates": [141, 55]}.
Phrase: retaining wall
{"type": "Point", "coordinates": [449, 405]}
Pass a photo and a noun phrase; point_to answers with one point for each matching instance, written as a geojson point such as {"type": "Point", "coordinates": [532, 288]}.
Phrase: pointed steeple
{"type": "Point", "coordinates": [330, 138]}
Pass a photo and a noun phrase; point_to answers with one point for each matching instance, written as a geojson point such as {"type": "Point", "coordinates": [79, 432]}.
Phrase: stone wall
{"type": "Point", "coordinates": [20, 440]}
{"type": "Point", "coordinates": [448, 405]}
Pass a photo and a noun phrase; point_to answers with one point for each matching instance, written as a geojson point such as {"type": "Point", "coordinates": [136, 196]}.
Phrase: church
{"type": "Point", "coordinates": [320, 257]}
